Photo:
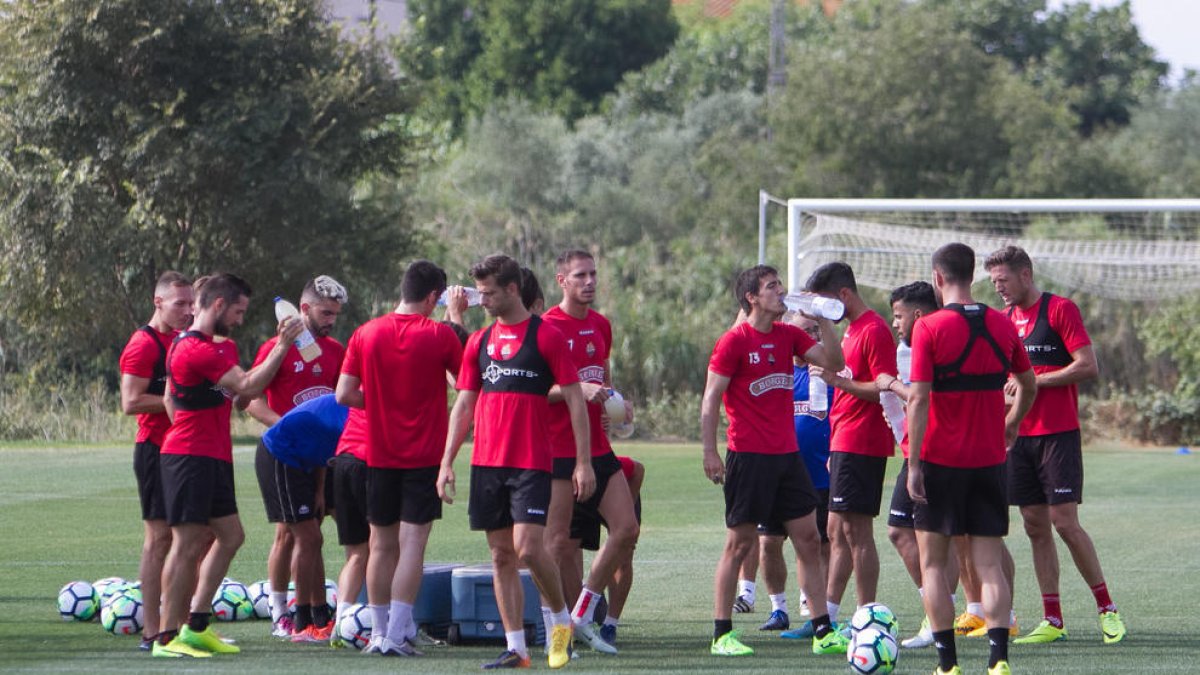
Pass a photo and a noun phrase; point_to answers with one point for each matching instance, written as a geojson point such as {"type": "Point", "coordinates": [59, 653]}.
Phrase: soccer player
{"type": "Point", "coordinates": [348, 469]}
{"type": "Point", "coordinates": [622, 580]}
{"type": "Point", "coordinates": [294, 499]}
{"type": "Point", "coordinates": [396, 368]}
{"type": "Point", "coordinates": [764, 475]}
{"type": "Point", "coordinates": [958, 431]}
{"type": "Point", "coordinates": [589, 339]}
{"type": "Point", "coordinates": [508, 370]}
{"type": "Point", "coordinates": [1045, 466]}
{"type": "Point", "coordinates": [143, 382]}
{"type": "Point", "coordinates": [196, 462]}
{"type": "Point", "coordinates": [860, 441]}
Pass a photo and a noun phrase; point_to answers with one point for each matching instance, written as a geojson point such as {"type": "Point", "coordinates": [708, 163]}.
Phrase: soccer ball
{"type": "Point", "coordinates": [232, 602]}
{"type": "Point", "coordinates": [260, 597]}
{"type": "Point", "coordinates": [331, 595]}
{"type": "Point", "coordinates": [101, 585]}
{"type": "Point", "coordinates": [874, 615]}
{"type": "Point", "coordinates": [122, 614]}
{"type": "Point", "coordinates": [354, 627]}
{"type": "Point", "coordinates": [872, 652]}
{"type": "Point", "coordinates": [121, 587]}
{"type": "Point", "coordinates": [78, 601]}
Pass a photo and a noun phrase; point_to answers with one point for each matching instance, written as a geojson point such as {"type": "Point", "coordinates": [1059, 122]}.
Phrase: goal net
{"type": "Point", "coordinates": [1120, 249]}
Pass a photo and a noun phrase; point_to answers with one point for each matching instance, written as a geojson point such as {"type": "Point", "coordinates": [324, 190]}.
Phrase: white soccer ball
{"type": "Point", "coordinates": [78, 601]}
{"type": "Point", "coordinates": [260, 597]}
{"type": "Point", "coordinates": [331, 594]}
{"type": "Point", "coordinates": [874, 615]}
{"type": "Point", "coordinates": [122, 614]}
{"type": "Point", "coordinates": [354, 627]}
{"type": "Point", "coordinates": [102, 585]}
{"type": "Point", "coordinates": [614, 407]}
{"type": "Point", "coordinates": [231, 602]}
{"type": "Point", "coordinates": [872, 652]}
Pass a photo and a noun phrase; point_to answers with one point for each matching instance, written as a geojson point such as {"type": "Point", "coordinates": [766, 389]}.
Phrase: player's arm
{"type": "Point", "coordinates": [461, 416]}
{"type": "Point", "coordinates": [583, 478]}
{"type": "Point", "coordinates": [1083, 366]}
{"type": "Point", "coordinates": [867, 391]}
{"type": "Point", "coordinates": [827, 353]}
{"type": "Point", "coordinates": [135, 400]}
{"type": "Point", "coordinates": [1027, 386]}
{"type": "Point", "coordinates": [885, 382]}
{"type": "Point", "coordinates": [251, 383]}
{"type": "Point", "coordinates": [169, 407]}
{"type": "Point", "coordinates": [918, 423]}
{"type": "Point", "coordinates": [259, 410]}
{"type": "Point", "coordinates": [349, 391]}
{"type": "Point", "coordinates": [710, 411]}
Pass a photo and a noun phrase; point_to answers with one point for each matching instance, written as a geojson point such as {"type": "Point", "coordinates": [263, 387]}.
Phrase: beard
{"type": "Point", "coordinates": [222, 328]}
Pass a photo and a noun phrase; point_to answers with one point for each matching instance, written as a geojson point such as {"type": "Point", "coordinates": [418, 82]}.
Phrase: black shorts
{"type": "Point", "coordinates": [501, 496]}
{"type": "Point", "coordinates": [766, 488]}
{"type": "Point", "coordinates": [289, 494]}
{"type": "Point", "coordinates": [856, 483]}
{"type": "Point", "coordinates": [149, 480]}
{"type": "Point", "coordinates": [197, 489]}
{"type": "Point", "coordinates": [777, 529]}
{"type": "Point", "coordinates": [963, 501]}
{"type": "Point", "coordinates": [408, 495]}
{"type": "Point", "coordinates": [1046, 469]}
{"type": "Point", "coordinates": [348, 478]}
{"type": "Point", "coordinates": [900, 512]}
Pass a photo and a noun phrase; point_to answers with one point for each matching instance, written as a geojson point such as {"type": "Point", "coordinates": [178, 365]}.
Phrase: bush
{"type": "Point", "coordinates": [65, 409]}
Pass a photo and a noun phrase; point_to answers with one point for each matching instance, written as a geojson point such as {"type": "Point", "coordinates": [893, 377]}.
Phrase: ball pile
{"type": "Point", "coordinates": [873, 648]}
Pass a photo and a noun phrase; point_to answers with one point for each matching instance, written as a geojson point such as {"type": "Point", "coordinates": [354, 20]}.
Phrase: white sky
{"type": "Point", "coordinates": [1170, 26]}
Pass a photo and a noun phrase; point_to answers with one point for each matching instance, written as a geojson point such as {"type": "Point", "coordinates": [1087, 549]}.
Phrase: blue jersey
{"type": "Point", "coordinates": [307, 436]}
{"type": "Point", "coordinates": [812, 430]}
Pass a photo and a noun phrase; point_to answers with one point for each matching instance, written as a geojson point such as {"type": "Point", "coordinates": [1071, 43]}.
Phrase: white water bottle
{"type": "Point", "coordinates": [818, 394]}
{"type": "Point", "coordinates": [815, 305]}
{"type": "Point", "coordinates": [893, 412]}
{"type": "Point", "coordinates": [305, 342]}
{"type": "Point", "coordinates": [473, 297]}
{"type": "Point", "coordinates": [904, 362]}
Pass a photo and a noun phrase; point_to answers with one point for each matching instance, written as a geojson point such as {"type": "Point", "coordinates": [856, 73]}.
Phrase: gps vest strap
{"type": "Point", "coordinates": [200, 396]}
{"type": "Point", "coordinates": [1043, 344]}
{"type": "Point", "coordinates": [951, 378]}
{"type": "Point", "coordinates": [158, 377]}
{"type": "Point", "coordinates": [526, 372]}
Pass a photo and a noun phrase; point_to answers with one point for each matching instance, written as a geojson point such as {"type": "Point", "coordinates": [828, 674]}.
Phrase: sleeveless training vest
{"type": "Point", "coordinates": [158, 378]}
{"type": "Point", "coordinates": [951, 378]}
{"type": "Point", "coordinates": [525, 373]}
{"type": "Point", "coordinates": [197, 396]}
{"type": "Point", "coordinates": [1044, 346]}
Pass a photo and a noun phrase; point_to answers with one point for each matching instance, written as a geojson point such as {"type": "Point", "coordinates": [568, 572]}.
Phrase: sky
{"type": "Point", "coordinates": [1169, 26]}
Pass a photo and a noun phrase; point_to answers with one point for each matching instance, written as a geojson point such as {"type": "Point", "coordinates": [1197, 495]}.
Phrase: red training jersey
{"type": "Point", "coordinates": [589, 340]}
{"type": "Point", "coordinates": [1056, 409]}
{"type": "Point", "coordinates": [354, 435]}
{"type": "Point", "coordinates": [858, 426]}
{"type": "Point", "coordinates": [966, 428]}
{"type": "Point", "coordinates": [401, 361]}
{"type": "Point", "coordinates": [512, 428]}
{"type": "Point", "coordinates": [198, 361]}
{"type": "Point", "coordinates": [758, 400]}
{"type": "Point", "coordinates": [298, 381]}
{"type": "Point", "coordinates": [139, 358]}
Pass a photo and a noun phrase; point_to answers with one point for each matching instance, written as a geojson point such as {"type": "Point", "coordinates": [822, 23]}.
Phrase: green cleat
{"type": "Point", "coordinates": [1113, 627]}
{"type": "Point", "coordinates": [1044, 632]}
{"type": "Point", "coordinates": [1001, 668]}
{"type": "Point", "coordinates": [729, 645]}
{"type": "Point", "coordinates": [177, 649]}
{"type": "Point", "coordinates": [834, 642]}
{"type": "Point", "coordinates": [206, 640]}
{"type": "Point", "coordinates": [953, 671]}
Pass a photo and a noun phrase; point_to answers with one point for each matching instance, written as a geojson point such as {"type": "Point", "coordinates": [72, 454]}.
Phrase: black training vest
{"type": "Point", "coordinates": [950, 376]}
{"type": "Point", "coordinates": [197, 396]}
{"type": "Point", "coordinates": [1043, 344]}
{"type": "Point", "coordinates": [525, 373]}
{"type": "Point", "coordinates": [158, 377]}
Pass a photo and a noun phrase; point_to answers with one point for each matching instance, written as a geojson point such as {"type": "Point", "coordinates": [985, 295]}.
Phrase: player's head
{"type": "Point", "coordinates": [498, 280]}
{"type": "Point", "coordinates": [1011, 272]}
{"type": "Point", "coordinates": [320, 303]}
{"type": "Point", "coordinates": [575, 272]}
{"type": "Point", "coordinates": [197, 286]}
{"type": "Point", "coordinates": [760, 288]}
{"type": "Point", "coordinates": [173, 300]}
{"type": "Point", "coordinates": [833, 280]}
{"type": "Point", "coordinates": [227, 295]}
{"type": "Point", "coordinates": [806, 324]}
{"type": "Point", "coordinates": [909, 303]}
{"type": "Point", "coordinates": [531, 292]}
{"type": "Point", "coordinates": [953, 265]}
{"type": "Point", "coordinates": [422, 284]}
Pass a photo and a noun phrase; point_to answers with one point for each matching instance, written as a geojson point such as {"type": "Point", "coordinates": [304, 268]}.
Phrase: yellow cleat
{"type": "Point", "coordinates": [1113, 627]}
{"type": "Point", "coordinates": [206, 640]}
{"type": "Point", "coordinates": [968, 622]}
{"type": "Point", "coordinates": [560, 640]}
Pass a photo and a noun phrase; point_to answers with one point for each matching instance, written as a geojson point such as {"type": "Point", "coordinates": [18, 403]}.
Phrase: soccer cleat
{"type": "Point", "coordinates": [283, 628]}
{"type": "Point", "coordinates": [729, 645]}
{"type": "Point", "coordinates": [147, 644]}
{"type": "Point", "coordinates": [559, 653]}
{"type": "Point", "coordinates": [423, 639]}
{"type": "Point", "coordinates": [1044, 632]}
{"type": "Point", "coordinates": [1001, 668]}
{"type": "Point", "coordinates": [1013, 631]}
{"type": "Point", "coordinates": [608, 633]}
{"type": "Point", "coordinates": [777, 621]}
{"type": "Point", "coordinates": [176, 649]}
{"type": "Point", "coordinates": [922, 639]}
{"type": "Point", "coordinates": [967, 622]}
{"type": "Point", "coordinates": [385, 646]}
{"type": "Point", "coordinates": [206, 640]}
{"type": "Point", "coordinates": [804, 632]}
{"type": "Point", "coordinates": [953, 671]}
{"type": "Point", "coordinates": [584, 632]}
{"type": "Point", "coordinates": [834, 642]}
{"type": "Point", "coordinates": [307, 636]}
{"type": "Point", "coordinates": [508, 660]}
{"type": "Point", "coordinates": [743, 605]}
{"type": "Point", "coordinates": [1112, 626]}
{"type": "Point", "coordinates": [323, 633]}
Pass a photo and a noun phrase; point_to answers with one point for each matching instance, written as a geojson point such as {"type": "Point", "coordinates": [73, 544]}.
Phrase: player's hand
{"type": "Point", "coordinates": [883, 381]}
{"type": "Point", "coordinates": [583, 480]}
{"type": "Point", "coordinates": [289, 330]}
{"type": "Point", "coordinates": [445, 484]}
{"type": "Point", "coordinates": [1010, 388]}
{"type": "Point", "coordinates": [456, 303]}
{"type": "Point", "coordinates": [916, 483]}
{"type": "Point", "coordinates": [594, 392]}
{"type": "Point", "coordinates": [830, 378]}
{"type": "Point", "coordinates": [714, 468]}
{"type": "Point", "coordinates": [1012, 428]}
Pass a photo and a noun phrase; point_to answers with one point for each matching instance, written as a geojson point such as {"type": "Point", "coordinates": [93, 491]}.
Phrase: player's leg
{"type": "Point", "coordinates": [971, 620]}
{"type": "Point", "coordinates": [616, 510]}
{"type": "Point", "coordinates": [228, 537]}
{"type": "Point", "coordinates": [420, 506]}
{"type": "Point", "coordinates": [156, 544]}
{"type": "Point", "coordinates": [997, 593]}
{"type": "Point", "coordinates": [506, 582]}
{"type": "Point", "coordinates": [558, 527]}
{"type": "Point", "coordinates": [774, 572]}
{"type": "Point", "coordinates": [383, 515]}
{"type": "Point", "coordinates": [310, 582]}
{"type": "Point", "coordinates": [746, 588]}
{"type": "Point", "coordinates": [350, 489]}
{"type": "Point", "coordinates": [740, 539]}
{"type": "Point", "coordinates": [529, 501]}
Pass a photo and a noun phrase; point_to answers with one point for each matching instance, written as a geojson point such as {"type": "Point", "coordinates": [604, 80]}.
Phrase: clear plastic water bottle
{"type": "Point", "coordinates": [473, 297]}
{"type": "Point", "coordinates": [305, 342]}
{"type": "Point", "coordinates": [893, 412]}
{"type": "Point", "coordinates": [904, 362]}
{"type": "Point", "coordinates": [818, 394]}
{"type": "Point", "coordinates": [815, 305]}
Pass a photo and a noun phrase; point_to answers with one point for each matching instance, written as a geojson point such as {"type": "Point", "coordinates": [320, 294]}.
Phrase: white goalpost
{"type": "Point", "coordinates": [1127, 249]}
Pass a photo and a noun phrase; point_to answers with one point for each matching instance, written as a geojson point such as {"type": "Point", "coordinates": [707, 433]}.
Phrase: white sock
{"type": "Point", "coordinates": [832, 609]}
{"type": "Point", "coordinates": [379, 617]}
{"type": "Point", "coordinates": [975, 608]}
{"type": "Point", "coordinates": [278, 605]}
{"type": "Point", "coordinates": [1012, 617]}
{"type": "Point", "coordinates": [921, 592]}
{"type": "Point", "coordinates": [779, 602]}
{"type": "Point", "coordinates": [560, 618]}
{"type": "Point", "coordinates": [400, 617]}
{"type": "Point", "coordinates": [585, 606]}
{"type": "Point", "coordinates": [611, 620]}
{"type": "Point", "coordinates": [746, 588]}
{"type": "Point", "coordinates": [954, 599]}
{"type": "Point", "coordinates": [341, 609]}
{"type": "Point", "coordinates": [516, 642]}
{"type": "Point", "coordinates": [803, 598]}
{"type": "Point", "coordinates": [546, 618]}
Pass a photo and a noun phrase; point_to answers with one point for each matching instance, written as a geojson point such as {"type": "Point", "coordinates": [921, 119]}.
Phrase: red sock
{"type": "Point", "coordinates": [1103, 602]}
{"type": "Point", "coordinates": [1052, 608]}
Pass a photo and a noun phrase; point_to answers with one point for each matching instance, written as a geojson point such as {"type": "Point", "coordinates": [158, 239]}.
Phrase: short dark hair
{"type": "Point", "coordinates": [956, 262]}
{"type": "Point", "coordinates": [566, 257]}
{"type": "Point", "coordinates": [420, 279]}
{"type": "Point", "coordinates": [505, 270]}
{"type": "Point", "coordinates": [324, 287]}
{"type": "Point", "coordinates": [1014, 257]}
{"type": "Point", "coordinates": [531, 289]}
{"type": "Point", "coordinates": [918, 295]}
{"type": "Point", "coordinates": [223, 285]}
{"type": "Point", "coordinates": [168, 279]}
{"type": "Point", "coordinates": [748, 281]}
{"type": "Point", "coordinates": [198, 284]}
{"type": "Point", "coordinates": [831, 278]}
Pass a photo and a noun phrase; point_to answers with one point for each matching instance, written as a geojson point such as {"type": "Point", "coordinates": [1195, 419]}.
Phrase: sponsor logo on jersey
{"type": "Point", "coordinates": [505, 351]}
{"type": "Point", "coordinates": [491, 350]}
{"type": "Point", "coordinates": [586, 331]}
{"type": "Point", "coordinates": [592, 374]}
{"type": "Point", "coordinates": [774, 381]}
{"type": "Point", "coordinates": [310, 393]}
{"type": "Point", "coordinates": [1039, 349]}
{"type": "Point", "coordinates": [591, 349]}
{"type": "Point", "coordinates": [316, 369]}
{"type": "Point", "coordinates": [801, 408]}
{"type": "Point", "coordinates": [494, 372]}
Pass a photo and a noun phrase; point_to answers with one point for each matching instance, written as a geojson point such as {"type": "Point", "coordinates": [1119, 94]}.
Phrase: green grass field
{"type": "Point", "coordinates": [71, 513]}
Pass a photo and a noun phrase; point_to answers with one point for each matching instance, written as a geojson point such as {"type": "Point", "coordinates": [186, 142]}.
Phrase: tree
{"type": "Point", "coordinates": [144, 135]}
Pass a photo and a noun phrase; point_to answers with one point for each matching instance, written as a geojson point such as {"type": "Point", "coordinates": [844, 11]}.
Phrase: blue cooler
{"type": "Point", "coordinates": [431, 610]}
{"type": "Point", "coordinates": [474, 613]}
